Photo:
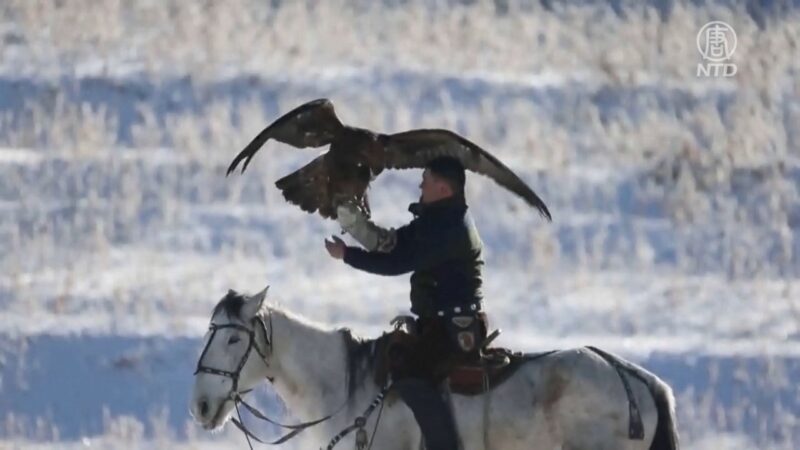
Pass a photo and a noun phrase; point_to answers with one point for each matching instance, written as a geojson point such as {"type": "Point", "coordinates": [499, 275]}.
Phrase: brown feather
{"type": "Point", "coordinates": [307, 187]}
{"type": "Point", "coordinates": [413, 149]}
{"type": "Point", "coordinates": [357, 155]}
{"type": "Point", "coordinates": [313, 124]}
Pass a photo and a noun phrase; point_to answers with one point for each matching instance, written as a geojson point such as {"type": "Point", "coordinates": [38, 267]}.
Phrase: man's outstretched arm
{"type": "Point", "coordinates": [411, 252]}
{"type": "Point", "coordinates": [392, 263]}
{"type": "Point", "coordinates": [370, 236]}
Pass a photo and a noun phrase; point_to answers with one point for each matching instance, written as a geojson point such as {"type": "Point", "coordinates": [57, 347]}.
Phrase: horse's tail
{"type": "Point", "coordinates": [666, 436]}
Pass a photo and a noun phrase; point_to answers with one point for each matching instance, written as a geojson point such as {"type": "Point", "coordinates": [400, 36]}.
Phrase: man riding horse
{"type": "Point", "coordinates": [442, 247]}
{"type": "Point", "coordinates": [580, 398]}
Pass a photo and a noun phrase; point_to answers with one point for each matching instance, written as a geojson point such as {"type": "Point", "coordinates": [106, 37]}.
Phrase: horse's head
{"type": "Point", "coordinates": [234, 359]}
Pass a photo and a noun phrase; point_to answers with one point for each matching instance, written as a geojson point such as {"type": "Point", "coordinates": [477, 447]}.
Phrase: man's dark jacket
{"type": "Point", "coordinates": [441, 245]}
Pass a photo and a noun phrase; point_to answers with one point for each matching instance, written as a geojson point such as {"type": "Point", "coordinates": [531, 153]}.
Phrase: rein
{"type": "Point", "coordinates": [296, 429]}
{"type": "Point", "coordinates": [236, 396]}
{"type": "Point", "coordinates": [360, 422]}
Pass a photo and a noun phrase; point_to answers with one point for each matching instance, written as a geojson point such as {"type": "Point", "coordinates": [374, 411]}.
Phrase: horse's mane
{"type": "Point", "coordinates": [361, 358]}
{"type": "Point", "coordinates": [231, 304]}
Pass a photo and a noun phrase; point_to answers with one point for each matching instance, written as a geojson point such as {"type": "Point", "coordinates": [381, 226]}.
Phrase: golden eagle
{"type": "Point", "coordinates": [357, 155]}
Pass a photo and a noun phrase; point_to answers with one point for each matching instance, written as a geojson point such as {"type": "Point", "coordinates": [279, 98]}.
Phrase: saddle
{"type": "Point", "coordinates": [472, 375]}
{"type": "Point", "coordinates": [476, 377]}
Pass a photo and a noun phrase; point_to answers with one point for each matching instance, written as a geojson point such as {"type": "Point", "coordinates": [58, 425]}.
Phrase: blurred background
{"type": "Point", "coordinates": [675, 201]}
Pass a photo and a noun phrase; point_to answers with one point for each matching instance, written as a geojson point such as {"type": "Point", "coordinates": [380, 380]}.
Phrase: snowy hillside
{"type": "Point", "coordinates": [675, 199]}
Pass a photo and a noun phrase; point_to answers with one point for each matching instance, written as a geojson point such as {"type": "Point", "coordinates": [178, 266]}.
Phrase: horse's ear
{"type": "Point", "coordinates": [253, 304]}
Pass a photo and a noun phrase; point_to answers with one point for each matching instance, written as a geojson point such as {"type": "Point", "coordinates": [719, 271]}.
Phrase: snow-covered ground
{"type": "Point", "coordinates": [675, 199]}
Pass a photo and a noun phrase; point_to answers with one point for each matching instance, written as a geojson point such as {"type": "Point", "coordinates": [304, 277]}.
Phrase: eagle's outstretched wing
{"type": "Point", "coordinates": [307, 187]}
{"type": "Point", "coordinates": [312, 124]}
{"type": "Point", "coordinates": [413, 149]}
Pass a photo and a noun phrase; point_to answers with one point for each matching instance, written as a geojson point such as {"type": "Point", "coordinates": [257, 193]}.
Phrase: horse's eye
{"type": "Point", "coordinates": [233, 340]}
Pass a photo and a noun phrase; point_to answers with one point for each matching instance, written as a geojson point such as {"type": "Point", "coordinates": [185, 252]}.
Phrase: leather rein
{"type": "Point", "coordinates": [236, 396]}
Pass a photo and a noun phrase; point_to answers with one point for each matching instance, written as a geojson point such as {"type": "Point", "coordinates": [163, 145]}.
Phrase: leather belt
{"type": "Point", "coordinates": [472, 307]}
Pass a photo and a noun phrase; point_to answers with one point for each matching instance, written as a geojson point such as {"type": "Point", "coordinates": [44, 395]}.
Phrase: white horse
{"type": "Point", "coordinates": [572, 399]}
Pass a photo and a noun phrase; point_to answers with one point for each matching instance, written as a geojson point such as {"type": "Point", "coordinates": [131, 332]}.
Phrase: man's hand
{"type": "Point", "coordinates": [336, 247]}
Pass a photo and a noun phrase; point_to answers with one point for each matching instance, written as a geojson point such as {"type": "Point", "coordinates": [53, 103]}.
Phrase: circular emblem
{"type": "Point", "coordinates": [466, 340]}
{"type": "Point", "coordinates": [716, 41]}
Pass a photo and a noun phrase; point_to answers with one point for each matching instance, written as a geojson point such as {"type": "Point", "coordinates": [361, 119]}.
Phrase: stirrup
{"type": "Point", "coordinates": [493, 358]}
{"type": "Point", "coordinates": [492, 336]}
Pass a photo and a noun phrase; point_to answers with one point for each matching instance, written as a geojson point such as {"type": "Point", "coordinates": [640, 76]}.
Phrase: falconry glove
{"type": "Point", "coordinates": [370, 236]}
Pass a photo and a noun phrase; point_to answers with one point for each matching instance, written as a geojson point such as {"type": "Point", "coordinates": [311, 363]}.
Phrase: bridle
{"type": "Point", "coordinates": [251, 344]}
{"type": "Point", "coordinates": [236, 397]}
